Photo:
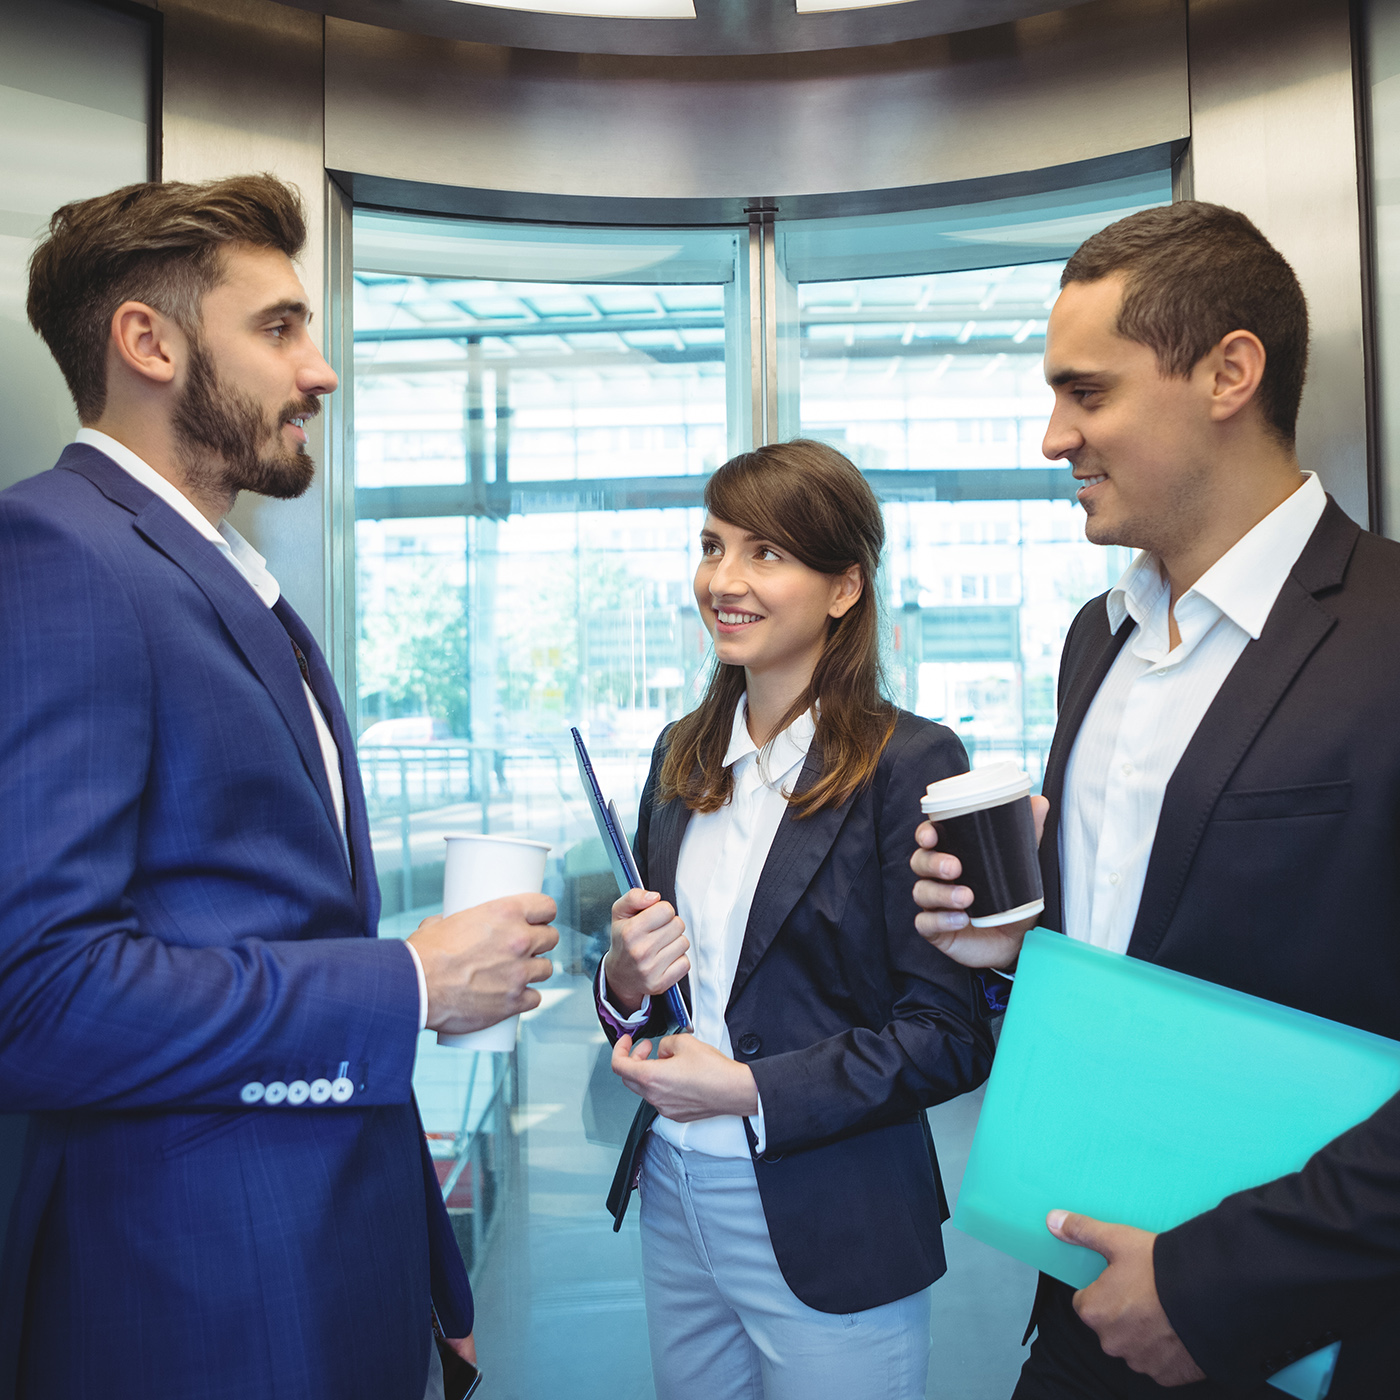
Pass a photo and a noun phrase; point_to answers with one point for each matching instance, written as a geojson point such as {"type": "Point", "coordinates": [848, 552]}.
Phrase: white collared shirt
{"type": "Point", "coordinates": [252, 568]}
{"type": "Point", "coordinates": [721, 858]}
{"type": "Point", "coordinates": [1150, 704]}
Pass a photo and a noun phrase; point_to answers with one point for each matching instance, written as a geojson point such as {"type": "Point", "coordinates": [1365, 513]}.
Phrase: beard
{"type": "Point", "coordinates": [227, 443]}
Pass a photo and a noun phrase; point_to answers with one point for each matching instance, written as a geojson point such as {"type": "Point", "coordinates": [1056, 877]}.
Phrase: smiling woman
{"type": "Point", "coordinates": [791, 1198]}
{"type": "Point", "coordinates": [792, 541]}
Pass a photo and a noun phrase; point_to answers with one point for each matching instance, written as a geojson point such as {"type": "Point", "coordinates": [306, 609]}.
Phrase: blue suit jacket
{"type": "Point", "coordinates": [178, 919]}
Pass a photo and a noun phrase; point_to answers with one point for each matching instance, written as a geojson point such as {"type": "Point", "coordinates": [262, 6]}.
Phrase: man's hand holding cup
{"type": "Point", "coordinates": [479, 963]}
{"type": "Point", "coordinates": [996, 828]}
{"type": "Point", "coordinates": [647, 955]}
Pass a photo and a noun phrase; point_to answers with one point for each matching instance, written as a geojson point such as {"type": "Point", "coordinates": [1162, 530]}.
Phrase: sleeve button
{"type": "Point", "coordinates": [298, 1091]}
{"type": "Point", "coordinates": [341, 1090]}
{"type": "Point", "coordinates": [251, 1093]}
{"type": "Point", "coordinates": [320, 1090]}
{"type": "Point", "coordinates": [275, 1092]}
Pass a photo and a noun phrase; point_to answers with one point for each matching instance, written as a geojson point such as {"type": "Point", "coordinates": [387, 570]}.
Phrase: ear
{"type": "Point", "coordinates": [1236, 366]}
{"type": "Point", "coordinates": [846, 590]}
{"type": "Point", "coordinates": [146, 342]}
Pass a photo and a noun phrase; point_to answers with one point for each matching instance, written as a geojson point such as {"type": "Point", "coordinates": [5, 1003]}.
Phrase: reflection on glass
{"type": "Point", "coordinates": [535, 416]}
{"type": "Point", "coordinates": [536, 409]}
{"type": "Point", "coordinates": [932, 384]}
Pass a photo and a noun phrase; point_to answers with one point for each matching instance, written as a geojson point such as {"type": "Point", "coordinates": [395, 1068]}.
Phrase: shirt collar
{"type": "Point", "coordinates": [786, 752]}
{"type": "Point", "coordinates": [1244, 583]}
{"type": "Point", "coordinates": [249, 563]}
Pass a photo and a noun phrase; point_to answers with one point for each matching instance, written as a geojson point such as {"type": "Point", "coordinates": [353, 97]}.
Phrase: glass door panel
{"type": "Point", "coordinates": [536, 410]}
{"type": "Point", "coordinates": [933, 386]}
{"type": "Point", "coordinates": [535, 414]}
{"type": "Point", "coordinates": [916, 349]}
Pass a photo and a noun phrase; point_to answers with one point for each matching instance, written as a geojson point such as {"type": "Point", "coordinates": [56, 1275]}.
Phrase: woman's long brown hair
{"type": "Point", "coordinates": [809, 500]}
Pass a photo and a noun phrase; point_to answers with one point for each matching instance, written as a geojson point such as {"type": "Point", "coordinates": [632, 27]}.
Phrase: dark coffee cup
{"type": "Point", "coordinates": [984, 818]}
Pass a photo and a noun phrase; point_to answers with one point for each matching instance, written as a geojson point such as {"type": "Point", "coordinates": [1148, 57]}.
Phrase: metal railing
{"type": "Point", "coordinates": [525, 788]}
{"type": "Point", "coordinates": [481, 1151]}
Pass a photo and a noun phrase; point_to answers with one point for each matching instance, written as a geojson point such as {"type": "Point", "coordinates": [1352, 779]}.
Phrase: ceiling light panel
{"type": "Point", "coordinates": [821, 7]}
{"type": "Point", "coordinates": [598, 9]}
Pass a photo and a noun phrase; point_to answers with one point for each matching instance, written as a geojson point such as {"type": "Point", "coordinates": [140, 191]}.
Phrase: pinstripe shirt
{"type": "Point", "coordinates": [1150, 704]}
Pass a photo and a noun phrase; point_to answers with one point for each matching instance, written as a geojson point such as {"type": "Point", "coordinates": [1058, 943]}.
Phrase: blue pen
{"type": "Point", "coordinates": [620, 857]}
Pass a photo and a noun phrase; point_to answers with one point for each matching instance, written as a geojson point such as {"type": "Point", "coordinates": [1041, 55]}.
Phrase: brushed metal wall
{"type": "Point", "coordinates": [719, 26]}
{"type": "Point", "coordinates": [1085, 82]}
{"type": "Point", "coordinates": [242, 92]}
{"type": "Point", "coordinates": [1273, 120]}
{"type": "Point", "coordinates": [1382, 81]}
{"type": "Point", "coordinates": [1264, 89]}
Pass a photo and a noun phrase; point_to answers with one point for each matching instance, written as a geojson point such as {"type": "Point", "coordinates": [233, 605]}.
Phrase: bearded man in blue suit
{"type": "Point", "coordinates": [225, 1191]}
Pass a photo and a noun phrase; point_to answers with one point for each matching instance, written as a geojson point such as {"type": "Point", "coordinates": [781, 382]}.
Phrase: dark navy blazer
{"type": "Point", "coordinates": [178, 919]}
{"type": "Point", "coordinates": [1276, 870]}
{"type": "Point", "coordinates": [852, 1025]}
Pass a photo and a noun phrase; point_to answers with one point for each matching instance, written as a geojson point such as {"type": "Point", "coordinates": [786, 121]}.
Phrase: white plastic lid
{"type": "Point", "coordinates": [971, 792]}
{"type": "Point", "coordinates": [505, 840]}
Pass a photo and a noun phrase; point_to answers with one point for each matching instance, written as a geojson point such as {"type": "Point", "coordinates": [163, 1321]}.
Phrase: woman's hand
{"type": "Point", "coordinates": [648, 952]}
{"type": "Point", "coordinates": [943, 922]}
{"type": "Point", "coordinates": [687, 1080]}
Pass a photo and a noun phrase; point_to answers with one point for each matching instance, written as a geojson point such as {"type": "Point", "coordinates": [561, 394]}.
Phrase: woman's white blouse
{"type": "Point", "coordinates": [721, 858]}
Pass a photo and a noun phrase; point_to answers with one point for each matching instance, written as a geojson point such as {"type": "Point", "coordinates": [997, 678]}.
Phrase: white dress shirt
{"type": "Point", "coordinates": [721, 858]}
{"type": "Point", "coordinates": [1150, 704]}
{"type": "Point", "coordinates": [252, 568]}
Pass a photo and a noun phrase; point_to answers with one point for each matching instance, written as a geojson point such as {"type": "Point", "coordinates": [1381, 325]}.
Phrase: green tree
{"type": "Point", "coordinates": [413, 649]}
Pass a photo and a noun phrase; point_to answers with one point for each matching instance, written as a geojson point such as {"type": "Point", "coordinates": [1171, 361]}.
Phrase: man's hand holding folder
{"type": "Point", "coordinates": [1122, 1305]}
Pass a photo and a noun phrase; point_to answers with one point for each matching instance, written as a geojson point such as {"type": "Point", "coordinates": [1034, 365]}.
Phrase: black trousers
{"type": "Point", "coordinates": [1067, 1363]}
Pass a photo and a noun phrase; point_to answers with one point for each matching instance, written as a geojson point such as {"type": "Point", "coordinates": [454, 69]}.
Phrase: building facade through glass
{"type": "Point", "coordinates": [536, 410]}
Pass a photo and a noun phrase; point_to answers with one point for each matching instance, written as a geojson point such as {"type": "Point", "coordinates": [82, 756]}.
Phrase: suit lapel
{"type": "Point", "coordinates": [258, 635]}
{"type": "Point", "coordinates": [1266, 668]}
{"type": "Point", "coordinates": [1099, 651]}
{"type": "Point", "coordinates": [794, 858]}
{"type": "Point", "coordinates": [356, 818]}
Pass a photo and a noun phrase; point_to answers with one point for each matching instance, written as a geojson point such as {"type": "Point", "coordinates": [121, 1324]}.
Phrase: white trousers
{"type": "Point", "coordinates": [722, 1321]}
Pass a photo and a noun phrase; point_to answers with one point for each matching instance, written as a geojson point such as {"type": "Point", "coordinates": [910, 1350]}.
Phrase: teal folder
{"type": "Point", "coordinates": [1136, 1094]}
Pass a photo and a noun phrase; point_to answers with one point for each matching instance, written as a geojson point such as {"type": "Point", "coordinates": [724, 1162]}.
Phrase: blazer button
{"type": "Point", "coordinates": [275, 1092]}
{"type": "Point", "coordinates": [749, 1044]}
{"type": "Point", "coordinates": [342, 1090]}
{"type": "Point", "coordinates": [251, 1093]}
{"type": "Point", "coordinates": [298, 1091]}
{"type": "Point", "coordinates": [320, 1090]}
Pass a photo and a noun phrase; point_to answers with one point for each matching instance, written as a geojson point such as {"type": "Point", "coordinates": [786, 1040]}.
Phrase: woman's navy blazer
{"type": "Point", "coordinates": [852, 1025]}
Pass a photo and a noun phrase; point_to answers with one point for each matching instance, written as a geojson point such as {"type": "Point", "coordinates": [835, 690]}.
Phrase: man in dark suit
{"type": "Point", "coordinates": [1223, 793]}
{"type": "Point", "coordinates": [226, 1191]}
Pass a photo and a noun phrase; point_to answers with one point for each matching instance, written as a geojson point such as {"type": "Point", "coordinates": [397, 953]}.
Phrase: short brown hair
{"type": "Point", "coordinates": [157, 243]}
{"type": "Point", "coordinates": [1195, 272]}
{"type": "Point", "coordinates": [805, 497]}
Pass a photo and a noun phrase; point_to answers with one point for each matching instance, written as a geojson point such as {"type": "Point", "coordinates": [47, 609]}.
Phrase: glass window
{"type": "Point", "coordinates": [536, 410]}
{"type": "Point", "coordinates": [919, 340]}
{"type": "Point", "coordinates": [535, 415]}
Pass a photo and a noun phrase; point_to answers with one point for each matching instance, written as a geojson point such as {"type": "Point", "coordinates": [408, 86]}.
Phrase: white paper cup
{"type": "Point", "coordinates": [479, 869]}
